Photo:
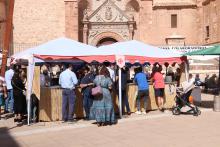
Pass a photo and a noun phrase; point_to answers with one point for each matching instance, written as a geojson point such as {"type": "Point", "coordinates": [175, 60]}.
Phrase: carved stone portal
{"type": "Point", "coordinates": [109, 22]}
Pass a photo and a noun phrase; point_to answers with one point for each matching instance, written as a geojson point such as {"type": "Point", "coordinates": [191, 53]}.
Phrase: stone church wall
{"type": "Point", "coordinates": [2, 21]}
{"type": "Point", "coordinates": [37, 21]}
{"type": "Point", "coordinates": [211, 19]}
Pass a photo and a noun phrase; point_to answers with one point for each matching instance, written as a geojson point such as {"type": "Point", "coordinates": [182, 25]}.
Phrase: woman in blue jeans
{"type": "Point", "coordinates": [143, 89]}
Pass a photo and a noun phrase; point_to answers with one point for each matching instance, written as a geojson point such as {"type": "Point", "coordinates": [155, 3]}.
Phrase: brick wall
{"type": "Point", "coordinates": [211, 18]}
{"type": "Point", "coordinates": [71, 19]}
{"type": "Point", "coordinates": [2, 21]}
{"type": "Point", "coordinates": [38, 21]}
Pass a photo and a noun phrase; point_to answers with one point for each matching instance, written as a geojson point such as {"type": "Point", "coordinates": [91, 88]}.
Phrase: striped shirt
{"type": "Point", "coordinates": [2, 85]}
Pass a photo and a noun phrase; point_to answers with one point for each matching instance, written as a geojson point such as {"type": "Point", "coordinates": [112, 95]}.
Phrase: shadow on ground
{"type": "Point", "coordinates": [207, 104]}
{"type": "Point", "coordinates": [6, 140]}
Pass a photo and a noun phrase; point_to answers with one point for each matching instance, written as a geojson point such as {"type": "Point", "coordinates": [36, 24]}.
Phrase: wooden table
{"type": "Point", "coordinates": [170, 93]}
{"type": "Point", "coordinates": [50, 104]}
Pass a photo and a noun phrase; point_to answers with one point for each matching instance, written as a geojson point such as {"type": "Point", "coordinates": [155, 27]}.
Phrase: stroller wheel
{"type": "Point", "coordinates": [176, 111]}
{"type": "Point", "coordinates": [195, 114]}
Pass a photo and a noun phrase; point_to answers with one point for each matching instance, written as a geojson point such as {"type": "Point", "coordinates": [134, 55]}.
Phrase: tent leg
{"type": "Point", "coordinates": [120, 94]}
{"type": "Point", "coordinates": [219, 73]}
{"type": "Point", "coordinates": [30, 75]}
{"type": "Point", "coordinates": [28, 110]}
{"type": "Point", "coordinates": [186, 66]}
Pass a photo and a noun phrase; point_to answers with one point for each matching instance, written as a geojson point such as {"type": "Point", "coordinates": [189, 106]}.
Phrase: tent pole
{"type": "Point", "coordinates": [219, 72]}
{"type": "Point", "coordinates": [27, 94]}
{"type": "Point", "coordinates": [120, 94]}
{"type": "Point", "coordinates": [30, 76]}
{"type": "Point", "coordinates": [186, 67]}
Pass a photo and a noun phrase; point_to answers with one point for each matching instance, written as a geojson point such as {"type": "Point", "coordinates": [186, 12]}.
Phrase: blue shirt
{"type": "Point", "coordinates": [86, 80]}
{"type": "Point", "coordinates": [141, 80]}
{"type": "Point", "coordinates": [68, 79]}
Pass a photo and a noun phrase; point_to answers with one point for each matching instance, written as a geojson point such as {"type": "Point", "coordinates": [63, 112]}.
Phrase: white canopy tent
{"type": "Point", "coordinates": [137, 48]}
{"type": "Point", "coordinates": [135, 51]}
{"type": "Point", "coordinates": [57, 47]}
{"type": "Point", "coordinates": [67, 49]}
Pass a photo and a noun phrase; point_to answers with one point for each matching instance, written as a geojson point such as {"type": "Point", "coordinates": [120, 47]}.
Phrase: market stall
{"type": "Point", "coordinates": [64, 49]}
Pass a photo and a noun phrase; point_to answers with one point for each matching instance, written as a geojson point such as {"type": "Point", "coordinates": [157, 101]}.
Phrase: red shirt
{"type": "Point", "coordinates": [158, 80]}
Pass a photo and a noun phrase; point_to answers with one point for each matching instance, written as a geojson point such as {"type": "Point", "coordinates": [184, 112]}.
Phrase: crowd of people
{"type": "Point", "coordinates": [97, 82]}
{"type": "Point", "coordinates": [12, 93]}
{"type": "Point", "coordinates": [100, 106]}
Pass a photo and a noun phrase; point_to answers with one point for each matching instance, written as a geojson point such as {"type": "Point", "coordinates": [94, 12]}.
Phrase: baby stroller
{"type": "Point", "coordinates": [182, 99]}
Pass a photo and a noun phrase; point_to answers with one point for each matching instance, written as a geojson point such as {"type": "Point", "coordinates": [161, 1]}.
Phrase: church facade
{"type": "Point", "coordinates": [98, 22]}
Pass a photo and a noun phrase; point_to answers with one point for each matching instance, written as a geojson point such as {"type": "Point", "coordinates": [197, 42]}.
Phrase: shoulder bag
{"type": "Point", "coordinates": [97, 90]}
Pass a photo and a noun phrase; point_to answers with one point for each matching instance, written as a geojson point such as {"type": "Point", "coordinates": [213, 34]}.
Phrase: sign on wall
{"type": "Point", "coordinates": [184, 49]}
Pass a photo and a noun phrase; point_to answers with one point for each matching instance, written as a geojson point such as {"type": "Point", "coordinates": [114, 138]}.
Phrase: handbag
{"type": "Point", "coordinates": [97, 90]}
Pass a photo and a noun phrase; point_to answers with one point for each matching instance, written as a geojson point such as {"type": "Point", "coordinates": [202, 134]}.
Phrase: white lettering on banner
{"type": "Point", "coordinates": [184, 49]}
{"type": "Point", "coordinates": [120, 60]}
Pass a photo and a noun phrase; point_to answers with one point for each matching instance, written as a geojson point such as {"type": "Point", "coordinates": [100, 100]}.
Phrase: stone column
{"type": "Point", "coordinates": [131, 32]}
{"type": "Point", "coordinates": [85, 32]}
{"type": "Point", "coordinates": [131, 29]}
{"type": "Point", "coordinates": [71, 19]}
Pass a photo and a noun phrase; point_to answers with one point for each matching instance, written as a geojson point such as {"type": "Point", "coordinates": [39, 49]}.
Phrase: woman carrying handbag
{"type": "Point", "coordinates": [102, 109]}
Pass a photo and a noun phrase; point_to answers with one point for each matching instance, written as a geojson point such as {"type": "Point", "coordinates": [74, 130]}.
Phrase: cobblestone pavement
{"type": "Point", "coordinates": [154, 129]}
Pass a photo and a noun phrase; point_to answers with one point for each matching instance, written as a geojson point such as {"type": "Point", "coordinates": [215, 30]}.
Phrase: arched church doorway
{"type": "Point", "coordinates": [106, 41]}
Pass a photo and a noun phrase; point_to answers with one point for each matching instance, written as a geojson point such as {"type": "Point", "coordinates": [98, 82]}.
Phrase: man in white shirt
{"type": "Point", "coordinates": [9, 102]}
{"type": "Point", "coordinates": [67, 81]}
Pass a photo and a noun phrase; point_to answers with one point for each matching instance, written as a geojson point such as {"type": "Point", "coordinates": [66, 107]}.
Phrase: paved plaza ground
{"type": "Point", "coordinates": [154, 129]}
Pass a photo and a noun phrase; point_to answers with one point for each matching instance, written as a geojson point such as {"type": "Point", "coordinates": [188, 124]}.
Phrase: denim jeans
{"type": "Point", "coordinates": [9, 102]}
{"type": "Point", "coordinates": [145, 95]}
{"type": "Point", "coordinates": [87, 102]}
{"type": "Point", "coordinates": [125, 102]}
{"type": "Point", "coordinates": [68, 103]}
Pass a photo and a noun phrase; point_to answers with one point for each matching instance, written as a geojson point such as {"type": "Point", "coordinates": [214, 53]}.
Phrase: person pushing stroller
{"type": "Point", "coordinates": [182, 98]}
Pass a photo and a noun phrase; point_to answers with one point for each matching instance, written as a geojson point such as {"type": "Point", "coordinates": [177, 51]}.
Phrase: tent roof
{"type": "Point", "coordinates": [137, 51]}
{"type": "Point", "coordinates": [59, 47]}
{"type": "Point", "coordinates": [67, 49]}
{"type": "Point", "coordinates": [209, 51]}
{"type": "Point", "coordinates": [138, 48]}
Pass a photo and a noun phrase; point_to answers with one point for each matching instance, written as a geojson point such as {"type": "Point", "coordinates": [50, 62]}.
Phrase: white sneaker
{"type": "Point", "coordinates": [138, 112]}
{"type": "Point", "coordinates": [144, 112]}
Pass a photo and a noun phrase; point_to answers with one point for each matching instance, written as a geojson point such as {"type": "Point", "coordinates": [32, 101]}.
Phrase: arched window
{"type": "Point", "coordinates": [106, 41]}
{"type": "Point", "coordinates": [133, 5]}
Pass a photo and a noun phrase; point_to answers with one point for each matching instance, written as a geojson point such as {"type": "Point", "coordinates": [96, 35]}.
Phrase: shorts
{"type": "Point", "coordinates": [159, 92]}
{"type": "Point", "coordinates": [142, 93]}
{"type": "Point", "coordinates": [2, 100]}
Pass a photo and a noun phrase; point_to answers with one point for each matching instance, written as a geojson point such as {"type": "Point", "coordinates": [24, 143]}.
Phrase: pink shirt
{"type": "Point", "coordinates": [158, 80]}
